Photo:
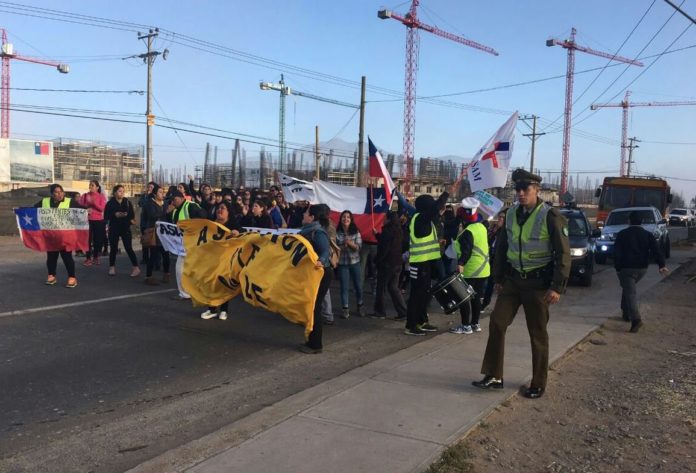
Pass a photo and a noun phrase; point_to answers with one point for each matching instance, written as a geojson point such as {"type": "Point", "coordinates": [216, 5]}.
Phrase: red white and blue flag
{"type": "Point", "coordinates": [379, 170]}
{"type": "Point", "coordinates": [489, 167]}
{"type": "Point", "coordinates": [44, 229]}
{"type": "Point", "coordinates": [42, 148]}
{"type": "Point", "coordinates": [369, 206]}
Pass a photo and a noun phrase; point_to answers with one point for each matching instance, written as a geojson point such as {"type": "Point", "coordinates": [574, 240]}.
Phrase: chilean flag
{"type": "Point", "coordinates": [43, 229]}
{"type": "Point", "coordinates": [489, 167]}
{"type": "Point", "coordinates": [368, 204]}
{"type": "Point", "coordinates": [379, 170]}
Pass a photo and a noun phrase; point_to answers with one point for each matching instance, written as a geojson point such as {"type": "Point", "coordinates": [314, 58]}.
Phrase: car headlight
{"type": "Point", "coordinates": [607, 237]}
{"type": "Point", "coordinates": [578, 251]}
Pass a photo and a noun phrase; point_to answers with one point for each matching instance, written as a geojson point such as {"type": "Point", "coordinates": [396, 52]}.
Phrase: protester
{"type": "Point", "coordinates": [315, 222]}
{"type": "Point", "coordinates": [258, 216]}
{"type": "Point", "coordinates": [493, 233]}
{"type": "Point", "coordinates": [450, 229]}
{"type": "Point", "coordinates": [633, 249]}
{"type": "Point", "coordinates": [349, 241]}
{"type": "Point", "coordinates": [276, 215]}
{"type": "Point", "coordinates": [181, 209]}
{"type": "Point", "coordinates": [184, 189]}
{"type": "Point", "coordinates": [471, 246]}
{"type": "Point", "coordinates": [326, 305]}
{"type": "Point", "coordinates": [94, 202]}
{"type": "Point", "coordinates": [297, 214]}
{"type": "Point", "coordinates": [424, 258]}
{"type": "Point", "coordinates": [390, 247]}
{"type": "Point", "coordinates": [59, 201]}
{"type": "Point", "coordinates": [120, 214]}
{"type": "Point", "coordinates": [144, 199]}
{"type": "Point", "coordinates": [533, 273]}
{"type": "Point", "coordinates": [223, 216]}
{"type": "Point", "coordinates": [153, 211]}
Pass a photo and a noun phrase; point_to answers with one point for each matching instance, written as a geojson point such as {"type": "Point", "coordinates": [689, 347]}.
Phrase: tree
{"type": "Point", "coordinates": [677, 201]}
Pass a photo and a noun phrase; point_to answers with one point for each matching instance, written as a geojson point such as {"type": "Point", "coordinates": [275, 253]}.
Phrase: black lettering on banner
{"type": "Point", "coordinates": [274, 238]}
{"type": "Point", "coordinates": [253, 291]}
{"type": "Point", "coordinates": [254, 249]}
{"type": "Point", "coordinates": [229, 283]}
{"type": "Point", "coordinates": [287, 242]}
{"type": "Point", "coordinates": [239, 258]}
{"type": "Point", "coordinates": [219, 234]}
{"type": "Point", "coordinates": [203, 236]}
{"type": "Point", "coordinates": [298, 253]}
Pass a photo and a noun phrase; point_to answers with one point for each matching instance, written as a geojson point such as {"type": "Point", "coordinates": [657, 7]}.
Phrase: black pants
{"type": "Point", "coordinates": [314, 339]}
{"type": "Point", "coordinates": [97, 232]}
{"type": "Point", "coordinates": [221, 308]}
{"type": "Point", "coordinates": [419, 299]}
{"type": "Point", "coordinates": [146, 254]}
{"type": "Point", "coordinates": [629, 277]}
{"type": "Point", "coordinates": [156, 253]}
{"type": "Point", "coordinates": [388, 278]}
{"type": "Point", "coordinates": [127, 239]}
{"type": "Point", "coordinates": [471, 310]}
{"type": "Point", "coordinates": [488, 292]}
{"type": "Point", "coordinates": [52, 262]}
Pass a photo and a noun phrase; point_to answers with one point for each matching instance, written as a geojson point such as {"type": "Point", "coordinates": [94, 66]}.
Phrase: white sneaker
{"type": "Point", "coordinates": [209, 315]}
{"type": "Point", "coordinates": [223, 315]}
{"type": "Point", "coordinates": [135, 273]}
{"type": "Point", "coordinates": [476, 327]}
{"type": "Point", "coordinates": [461, 329]}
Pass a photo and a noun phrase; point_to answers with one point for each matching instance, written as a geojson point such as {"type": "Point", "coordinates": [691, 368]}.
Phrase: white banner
{"type": "Point", "coordinates": [271, 231]}
{"type": "Point", "coordinates": [490, 204]}
{"type": "Point", "coordinates": [295, 190]}
{"type": "Point", "coordinates": [490, 165]}
{"type": "Point", "coordinates": [172, 238]}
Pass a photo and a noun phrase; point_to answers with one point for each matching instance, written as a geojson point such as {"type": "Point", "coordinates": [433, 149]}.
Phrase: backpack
{"type": "Point", "coordinates": [334, 252]}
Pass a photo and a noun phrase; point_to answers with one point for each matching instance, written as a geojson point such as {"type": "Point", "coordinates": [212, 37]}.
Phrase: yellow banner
{"type": "Point", "coordinates": [275, 272]}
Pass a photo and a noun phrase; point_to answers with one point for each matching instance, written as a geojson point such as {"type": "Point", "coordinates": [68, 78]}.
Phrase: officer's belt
{"type": "Point", "coordinates": [539, 273]}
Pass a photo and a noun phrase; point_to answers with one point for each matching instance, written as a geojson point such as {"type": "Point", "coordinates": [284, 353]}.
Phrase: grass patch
{"type": "Point", "coordinates": [453, 460]}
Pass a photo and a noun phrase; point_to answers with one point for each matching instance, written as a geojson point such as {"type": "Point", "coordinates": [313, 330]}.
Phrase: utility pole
{"type": "Point", "coordinates": [316, 152]}
{"type": "Point", "coordinates": [361, 133]}
{"type": "Point", "coordinates": [631, 147]}
{"type": "Point", "coordinates": [533, 136]}
{"type": "Point", "coordinates": [149, 59]}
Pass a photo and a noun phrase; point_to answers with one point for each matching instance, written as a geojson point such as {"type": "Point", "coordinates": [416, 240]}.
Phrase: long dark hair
{"type": "Point", "coordinates": [352, 228]}
{"type": "Point", "coordinates": [96, 183]}
{"type": "Point", "coordinates": [116, 188]}
{"type": "Point", "coordinates": [320, 212]}
{"type": "Point", "coordinates": [231, 217]}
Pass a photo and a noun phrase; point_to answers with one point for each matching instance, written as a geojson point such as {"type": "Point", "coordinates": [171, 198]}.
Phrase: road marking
{"type": "Point", "coordinates": [75, 304]}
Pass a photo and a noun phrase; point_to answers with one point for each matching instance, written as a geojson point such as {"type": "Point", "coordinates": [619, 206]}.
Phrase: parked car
{"type": "Point", "coordinates": [618, 220]}
{"type": "Point", "coordinates": [582, 245]}
{"type": "Point", "coordinates": [681, 217]}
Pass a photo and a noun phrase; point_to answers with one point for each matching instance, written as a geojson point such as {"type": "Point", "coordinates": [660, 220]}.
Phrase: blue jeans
{"type": "Point", "coordinates": [347, 273]}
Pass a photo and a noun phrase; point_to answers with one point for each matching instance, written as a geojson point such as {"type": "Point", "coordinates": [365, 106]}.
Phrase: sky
{"type": "Point", "coordinates": [346, 40]}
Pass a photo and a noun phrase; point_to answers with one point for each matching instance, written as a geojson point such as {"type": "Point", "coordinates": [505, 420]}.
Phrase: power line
{"type": "Point", "coordinates": [81, 91]}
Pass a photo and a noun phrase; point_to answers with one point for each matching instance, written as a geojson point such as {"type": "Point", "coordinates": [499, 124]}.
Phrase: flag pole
{"type": "Point", "coordinates": [372, 205]}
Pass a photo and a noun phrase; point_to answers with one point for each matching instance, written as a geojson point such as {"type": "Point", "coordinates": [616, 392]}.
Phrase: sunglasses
{"type": "Point", "coordinates": [522, 186]}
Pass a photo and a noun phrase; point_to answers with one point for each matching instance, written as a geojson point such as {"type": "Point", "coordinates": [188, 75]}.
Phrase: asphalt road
{"type": "Point", "coordinates": [106, 385]}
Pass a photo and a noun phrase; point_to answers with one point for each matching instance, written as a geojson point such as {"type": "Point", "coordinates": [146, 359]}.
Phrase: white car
{"type": "Point", "coordinates": [681, 217]}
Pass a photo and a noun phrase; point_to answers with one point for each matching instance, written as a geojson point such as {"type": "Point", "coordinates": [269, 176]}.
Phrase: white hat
{"type": "Point", "coordinates": [470, 203]}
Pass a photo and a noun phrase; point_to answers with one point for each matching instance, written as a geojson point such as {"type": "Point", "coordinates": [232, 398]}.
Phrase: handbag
{"type": "Point", "coordinates": [148, 238]}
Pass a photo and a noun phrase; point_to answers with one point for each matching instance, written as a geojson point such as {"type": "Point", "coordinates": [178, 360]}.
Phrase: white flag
{"type": "Point", "coordinates": [490, 165]}
{"type": "Point", "coordinates": [296, 189]}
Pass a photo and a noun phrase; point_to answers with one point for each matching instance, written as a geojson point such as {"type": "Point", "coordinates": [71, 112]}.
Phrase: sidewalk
{"type": "Point", "coordinates": [396, 414]}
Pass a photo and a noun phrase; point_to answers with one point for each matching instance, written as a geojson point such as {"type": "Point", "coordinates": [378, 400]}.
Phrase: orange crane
{"type": "Point", "coordinates": [7, 53]}
{"type": "Point", "coordinates": [625, 105]}
{"type": "Point", "coordinates": [413, 25]}
{"type": "Point", "coordinates": [571, 46]}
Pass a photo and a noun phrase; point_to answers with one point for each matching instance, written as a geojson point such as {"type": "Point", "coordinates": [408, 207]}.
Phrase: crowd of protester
{"type": "Point", "coordinates": [383, 267]}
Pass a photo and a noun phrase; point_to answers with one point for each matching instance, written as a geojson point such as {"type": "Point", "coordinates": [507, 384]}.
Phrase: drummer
{"type": "Point", "coordinates": [473, 264]}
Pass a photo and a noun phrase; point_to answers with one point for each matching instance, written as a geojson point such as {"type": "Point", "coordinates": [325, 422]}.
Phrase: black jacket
{"type": "Point", "coordinates": [119, 225]}
{"type": "Point", "coordinates": [390, 246]}
{"type": "Point", "coordinates": [635, 247]}
{"type": "Point", "coordinates": [151, 213]}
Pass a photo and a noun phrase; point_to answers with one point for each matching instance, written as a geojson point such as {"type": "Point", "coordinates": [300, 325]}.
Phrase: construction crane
{"type": "Point", "coordinates": [284, 92]}
{"type": "Point", "coordinates": [413, 25]}
{"type": "Point", "coordinates": [570, 45]}
{"type": "Point", "coordinates": [625, 105]}
{"type": "Point", "coordinates": [7, 53]}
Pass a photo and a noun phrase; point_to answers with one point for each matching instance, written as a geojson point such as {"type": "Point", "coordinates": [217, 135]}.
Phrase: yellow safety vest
{"type": "Point", "coordinates": [46, 203]}
{"type": "Point", "coordinates": [529, 245]}
{"type": "Point", "coordinates": [182, 213]}
{"type": "Point", "coordinates": [478, 265]}
{"type": "Point", "coordinates": [422, 249]}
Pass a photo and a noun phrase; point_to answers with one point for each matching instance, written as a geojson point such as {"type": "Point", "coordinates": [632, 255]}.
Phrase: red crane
{"type": "Point", "coordinates": [8, 53]}
{"type": "Point", "coordinates": [625, 104]}
{"type": "Point", "coordinates": [413, 24]}
{"type": "Point", "coordinates": [570, 45]}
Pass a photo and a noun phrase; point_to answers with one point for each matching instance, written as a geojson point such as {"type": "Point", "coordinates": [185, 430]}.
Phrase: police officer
{"type": "Point", "coordinates": [533, 273]}
{"type": "Point", "coordinates": [471, 246]}
{"type": "Point", "coordinates": [59, 201]}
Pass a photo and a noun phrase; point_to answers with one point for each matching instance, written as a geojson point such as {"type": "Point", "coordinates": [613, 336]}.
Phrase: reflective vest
{"type": "Point", "coordinates": [422, 249]}
{"type": "Point", "coordinates": [478, 264]}
{"type": "Point", "coordinates": [529, 246]}
{"type": "Point", "coordinates": [46, 203]}
{"type": "Point", "coordinates": [183, 212]}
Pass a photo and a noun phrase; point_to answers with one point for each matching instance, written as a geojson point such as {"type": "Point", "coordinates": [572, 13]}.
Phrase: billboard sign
{"type": "Point", "coordinates": [26, 161]}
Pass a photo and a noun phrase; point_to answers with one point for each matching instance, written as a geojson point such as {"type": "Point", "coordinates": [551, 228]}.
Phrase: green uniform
{"type": "Point", "coordinates": [532, 256]}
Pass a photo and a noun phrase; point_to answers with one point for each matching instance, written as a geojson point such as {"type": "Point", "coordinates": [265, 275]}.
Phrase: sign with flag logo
{"type": "Point", "coordinates": [43, 229]}
{"type": "Point", "coordinates": [379, 170]}
{"type": "Point", "coordinates": [490, 165]}
{"type": "Point", "coordinates": [368, 205]}
{"type": "Point", "coordinates": [295, 190]}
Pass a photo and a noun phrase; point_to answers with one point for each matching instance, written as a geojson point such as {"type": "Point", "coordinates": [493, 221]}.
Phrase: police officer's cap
{"type": "Point", "coordinates": [522, 176]}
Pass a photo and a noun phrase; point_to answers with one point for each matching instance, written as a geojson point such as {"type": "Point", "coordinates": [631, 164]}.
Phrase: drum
{"type": "Point", "coordinates": [452, 292]}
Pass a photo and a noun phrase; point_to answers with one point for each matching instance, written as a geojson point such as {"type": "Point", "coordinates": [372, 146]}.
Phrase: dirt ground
{"type": "Point", "coordinates": [618, 402]}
